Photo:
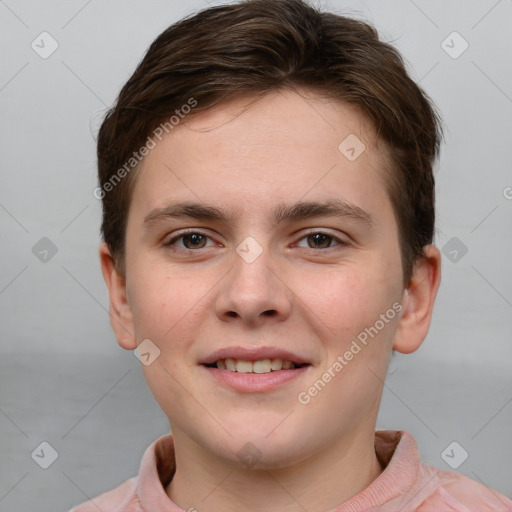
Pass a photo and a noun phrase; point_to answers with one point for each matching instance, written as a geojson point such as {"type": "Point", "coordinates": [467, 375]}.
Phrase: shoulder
{"type": "Point", "coordinates": [457, 492]}
{"type": "Point", "coordinates": [123, 495]}
{"type": "Point", "coordinates": [157, 465]}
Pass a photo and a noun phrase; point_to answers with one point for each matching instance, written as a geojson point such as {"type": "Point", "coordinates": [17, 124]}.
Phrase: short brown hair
{"type": "Point", "coordinates": [259, 46]}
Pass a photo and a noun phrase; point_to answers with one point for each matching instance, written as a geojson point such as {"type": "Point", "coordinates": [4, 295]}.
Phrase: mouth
{"type": "Point", "coordinates": [258, 366]}
{"type": "Point", "coordinates": [255, 369]}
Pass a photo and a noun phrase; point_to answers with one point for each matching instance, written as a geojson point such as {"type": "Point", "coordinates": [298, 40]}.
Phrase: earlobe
{"type": "Point", "coordinates": [418, 302]}
{"type": "Point", "coordinates": [120, 313]}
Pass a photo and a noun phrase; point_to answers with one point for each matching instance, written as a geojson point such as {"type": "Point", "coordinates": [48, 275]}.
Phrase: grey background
{"type": "Point", "coordinates": [64, 379]}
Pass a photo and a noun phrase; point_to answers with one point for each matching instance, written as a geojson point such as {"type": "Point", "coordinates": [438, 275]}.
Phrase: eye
{"type": "Point", "coordinates": [193, 240]}
{"type": "Point", "coordinates": [190, 240]}
{"type": "Point", "coordinates": [321, 240]}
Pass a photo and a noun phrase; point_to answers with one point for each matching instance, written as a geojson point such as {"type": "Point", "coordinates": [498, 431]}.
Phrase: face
{"type": "Point", "coordinates": [259, 264]}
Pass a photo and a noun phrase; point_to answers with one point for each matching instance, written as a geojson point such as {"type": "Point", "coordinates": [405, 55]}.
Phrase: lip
{"type": "Point", "coordinates": [254, 354]}
{"type": "Point", "coordinates": [255, 382]}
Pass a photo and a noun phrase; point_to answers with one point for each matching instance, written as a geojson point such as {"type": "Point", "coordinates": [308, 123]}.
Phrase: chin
{"type": "Point", "coordinates": [258, 443]}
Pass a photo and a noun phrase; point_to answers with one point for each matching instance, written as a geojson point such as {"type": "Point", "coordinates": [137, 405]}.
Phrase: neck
{"type": "Point", "coordinates": [320, 482]}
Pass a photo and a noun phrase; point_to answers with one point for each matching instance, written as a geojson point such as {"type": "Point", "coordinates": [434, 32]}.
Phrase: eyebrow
{"type": "Point", "coordinates": [282, 213]}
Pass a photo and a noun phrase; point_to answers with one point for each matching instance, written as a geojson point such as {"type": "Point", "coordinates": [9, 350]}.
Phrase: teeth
{"type": "Point", "coordinates": [262, 366]}
{"type": "Point", "coordinates": [243, 366]}
{"type": "Point", "coordinates": [230, 365]}
{"type": "Point", "coordinates": [276, 364]}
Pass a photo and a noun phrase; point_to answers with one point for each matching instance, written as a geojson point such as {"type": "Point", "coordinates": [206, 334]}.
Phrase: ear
{"type": "Point", "coordinates": [120, 313]}
{"type": "Point", "coordinates": [418, 303]}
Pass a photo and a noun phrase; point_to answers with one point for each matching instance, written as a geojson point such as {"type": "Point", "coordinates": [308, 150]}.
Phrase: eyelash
{"type": "Point", "coordinates": [171, 243]}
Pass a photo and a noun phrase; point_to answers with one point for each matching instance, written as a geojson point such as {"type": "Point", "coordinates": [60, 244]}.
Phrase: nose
{"type": "Point", "coordinates": [254, 292]}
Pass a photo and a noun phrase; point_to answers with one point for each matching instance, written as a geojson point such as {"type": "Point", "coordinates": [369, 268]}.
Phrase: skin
{"type": "Point", "coordinates": [312, 298]}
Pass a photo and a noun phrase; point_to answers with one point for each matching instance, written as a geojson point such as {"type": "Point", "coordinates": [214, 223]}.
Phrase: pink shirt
{"type": "Point", "coordinates": [405, 485]}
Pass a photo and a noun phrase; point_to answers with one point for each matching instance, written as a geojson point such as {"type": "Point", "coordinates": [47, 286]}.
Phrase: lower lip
{"type": "Point", "coordinates": [255, 382]}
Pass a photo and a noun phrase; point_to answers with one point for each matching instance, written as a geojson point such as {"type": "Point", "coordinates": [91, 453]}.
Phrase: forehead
{"type": "Point", "coordinates": [260, 126]}
{"type": "Point", "coordinates": [257, 151]}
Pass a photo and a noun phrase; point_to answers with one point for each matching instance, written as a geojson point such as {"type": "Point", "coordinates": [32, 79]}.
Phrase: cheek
{"type": "Point", "coordinates": [351, 299]}
{"type": "Point", "coordinates": [157, 301]}
{"type": "Point", "coordinates": [164, 309]}
{"type": "Point", "coordinates": [350, 293]}
{"type": "Point", "coordinates": [168, 303]}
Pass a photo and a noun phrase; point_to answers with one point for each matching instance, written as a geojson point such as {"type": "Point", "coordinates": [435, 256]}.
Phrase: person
{"type": "Point", "coordinates": [268, 215]}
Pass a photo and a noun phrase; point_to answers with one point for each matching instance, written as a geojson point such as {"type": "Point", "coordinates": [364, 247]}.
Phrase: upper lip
{"type": "Point", "coordinates": [252, 354]}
